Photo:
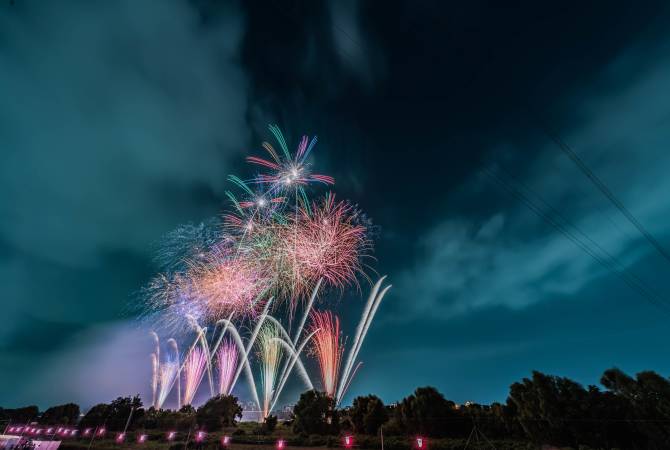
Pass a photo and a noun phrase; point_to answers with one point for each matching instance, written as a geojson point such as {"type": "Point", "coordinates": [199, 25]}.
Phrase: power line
{"type": "Point", "coordinates": [620, 267]}
{"type": "Point", "coordinates": [602, 187]}
{"type": "Point", "coordinates": [631, 281]}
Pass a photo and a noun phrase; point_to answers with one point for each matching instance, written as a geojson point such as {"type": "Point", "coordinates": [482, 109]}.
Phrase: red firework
{"type": "Point", "coordinates": [327, 348]}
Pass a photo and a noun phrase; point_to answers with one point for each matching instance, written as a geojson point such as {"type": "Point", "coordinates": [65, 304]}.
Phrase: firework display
{"type": "Point", "coordinates": [273, 252]}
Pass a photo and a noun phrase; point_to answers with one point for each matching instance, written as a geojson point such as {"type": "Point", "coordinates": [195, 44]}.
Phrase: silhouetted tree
{"type": "Point", "coordinates": [115, 414]}
{"type": "Point", "coordinates": [426, 412]}
{"type": "Point", "coordinates": [368, 414]}
{"type": "Point", "coordinates": [647, 399]}
{"type": "Point", "coordinates": [20, 415]}
{"type": "Point", "coordinates": [220, 411]}
{"type": "Point", "coordinates": [66, 414]}
{"type": "Point", "coordinates": [315, 414]}
{"type": "Point", "coordinates": [96, 416]}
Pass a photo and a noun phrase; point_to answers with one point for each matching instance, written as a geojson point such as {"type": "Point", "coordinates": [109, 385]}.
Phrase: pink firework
{"type": "Point", "coordinates": [328, 348]}
{"type": "Point", "coordinates": [326, 242]}
{"type": "Point", "coordinates": [223, 283]}
{"type": "Point", "coordinates": [227, 366]}
{"type": "Point", "coordinates": [194, 369]}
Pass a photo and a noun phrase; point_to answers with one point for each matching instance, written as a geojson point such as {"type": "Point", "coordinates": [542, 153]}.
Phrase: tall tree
{"type": "Point", "coordinates": [220, 411]}
{"type": "Point", "coordinates": [368, 414]}
{"type": "Point", "coordinates": [315, 414]}
{"type": "Point", "coordinates": [426, 412]}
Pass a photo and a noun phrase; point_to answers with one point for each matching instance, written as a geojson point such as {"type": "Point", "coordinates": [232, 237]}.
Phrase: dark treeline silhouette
{"type": "Point", "coordinates": [627, 413]}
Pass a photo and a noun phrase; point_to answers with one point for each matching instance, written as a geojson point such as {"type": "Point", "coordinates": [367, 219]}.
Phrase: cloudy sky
{"type": "Point", "coordinates": [121, 120]}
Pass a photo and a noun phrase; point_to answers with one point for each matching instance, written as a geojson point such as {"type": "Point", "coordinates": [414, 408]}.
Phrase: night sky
{"type": "Point", "coordinates": [121, 120]}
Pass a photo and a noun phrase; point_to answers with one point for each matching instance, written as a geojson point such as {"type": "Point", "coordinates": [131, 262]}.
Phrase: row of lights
{"type": "Point", "coordinates": [347, 441]}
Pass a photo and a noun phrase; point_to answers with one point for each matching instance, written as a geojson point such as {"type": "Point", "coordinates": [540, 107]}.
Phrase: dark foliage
{"type": "Point", "coordinates": [220, 411]}
{"type": "Point", "coordinates": [116, 414]}
{"type": "Point", "coordinates": [315, 414]}
{"type": "Point", "coordinates": [368, 414]}
{"type": "Point", "coordinates": [67, 414]}
{"type": "Point", "coordinates": [19, 415]}
{"type": "Point", "coordinates": [270, 423]}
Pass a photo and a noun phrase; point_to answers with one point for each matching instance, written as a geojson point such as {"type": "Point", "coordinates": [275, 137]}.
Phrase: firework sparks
{"type": "Point", "coordinates": [166, 375]}
{"type": "Point", "coordinates": [224, 283]}
{"type": "Point", "coordinates": [270, 354]}
{"type": "Point", "coordinates": [227, 365]}
{"type": "Point", "coordinates": [325, 243]}
{"type": "Point", "coordinates": [194, 369]}
{"type": "Point", "coordinates": [327, 348]}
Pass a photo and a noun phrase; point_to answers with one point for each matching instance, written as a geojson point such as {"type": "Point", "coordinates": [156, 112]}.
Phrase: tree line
{"type": "Point", "coordinates": [627, 412]}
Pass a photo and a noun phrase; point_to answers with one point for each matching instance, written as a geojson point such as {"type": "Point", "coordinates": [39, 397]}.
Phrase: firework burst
{"type": "Point", "coordinates": [288, 173]}
{"type": "Point", "coordinates": [326, 242]}
{"type": "Point", "coordinates": [224, 283]}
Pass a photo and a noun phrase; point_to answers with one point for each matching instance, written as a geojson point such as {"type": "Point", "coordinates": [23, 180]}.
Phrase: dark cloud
{"type": "Point", "coordinates": [118, 123]}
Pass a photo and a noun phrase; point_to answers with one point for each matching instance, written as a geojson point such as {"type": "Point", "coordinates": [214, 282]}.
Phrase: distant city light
{"type": "Point", "coordinates": [225, 441]}
{"type": "Point", "coordinates": [200, 436]}
{"type": "Point", "coordinates": [142, 438]}
{"type": "Point", "coordinates": [171, 435]}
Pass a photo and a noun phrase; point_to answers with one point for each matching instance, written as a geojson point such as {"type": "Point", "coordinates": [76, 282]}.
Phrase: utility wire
{"type": "Point", "coordinates": [619, 266]}
{"type": "Point", "coordinates": [632, 282]}
{"type": "Point", "coordinates": [602, 187]}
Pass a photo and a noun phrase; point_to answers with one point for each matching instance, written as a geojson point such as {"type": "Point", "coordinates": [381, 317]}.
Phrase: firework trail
{"type": "Point", "coordinates": [154, 377]}
{"type": "Point", "coordinates": [270, 354]}
{"type": "Point", "coordinates": [295, 358]}
{"type": "Point", "coordinates": [195, 366]}
{"type": "Point", "coordinates": [155, 363]}
{"type": "Point", "coordinates": [374, 300]}
{"type": "Point", "coordinates": [168, 371]}
{"type": "Point", "coordinates": [165, 388]}
{"type": "Point", "coordinates": [246, 364]}
{"type": "Point", "coordinates": [327, 348]}
{"type": "Point", "coordinates": [226, 364]}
